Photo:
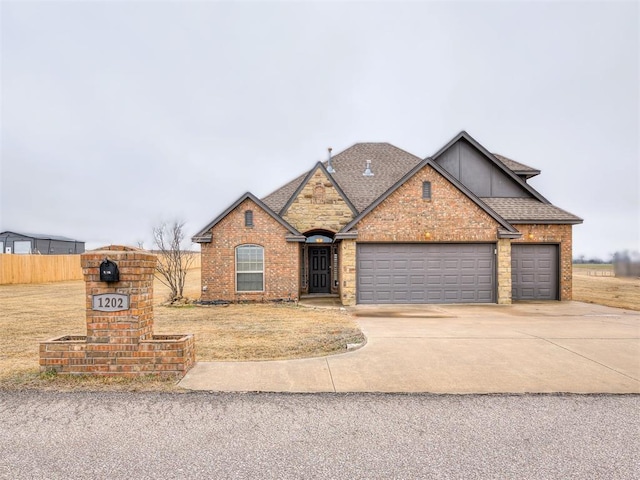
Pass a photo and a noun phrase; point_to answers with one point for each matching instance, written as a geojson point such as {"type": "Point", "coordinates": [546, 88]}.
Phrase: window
{"type": "Point", "coordinates": [248, 218]}
{"type": "Point", "coordinates": [426, 190]}
{"type": "Point", "coordinates": [249, 268]}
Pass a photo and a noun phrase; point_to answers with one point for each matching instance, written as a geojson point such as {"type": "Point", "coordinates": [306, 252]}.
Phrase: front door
{"type": "Point", "coordinates": [319, 270]}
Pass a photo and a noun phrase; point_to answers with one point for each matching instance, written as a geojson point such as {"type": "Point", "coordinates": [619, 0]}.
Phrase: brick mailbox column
{"type": "Point", "coordinates": [108, 319]}
{"type": "Point", "coordinates": [119, 316]}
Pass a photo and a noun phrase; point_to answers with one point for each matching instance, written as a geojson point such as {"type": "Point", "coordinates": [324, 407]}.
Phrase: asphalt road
{"type": "Point", "coordinates": [45, 435]}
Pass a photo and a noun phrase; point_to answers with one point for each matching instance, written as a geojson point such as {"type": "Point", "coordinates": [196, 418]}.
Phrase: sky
{"type": "Point", "coordinates": [117, 116]}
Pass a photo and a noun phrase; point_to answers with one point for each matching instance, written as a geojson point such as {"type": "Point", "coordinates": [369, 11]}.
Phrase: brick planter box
{"type": "Point", "coordinates": [119, 341]}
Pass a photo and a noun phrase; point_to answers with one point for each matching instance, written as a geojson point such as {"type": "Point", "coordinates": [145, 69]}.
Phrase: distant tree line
{"type": "Point", "coordinates": [625, 263]}
{"type": "Point", "coordinates": [593, 260]}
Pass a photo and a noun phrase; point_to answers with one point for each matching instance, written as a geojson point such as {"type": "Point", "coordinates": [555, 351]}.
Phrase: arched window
{"type": "Point", "coordinates": [249, 268]}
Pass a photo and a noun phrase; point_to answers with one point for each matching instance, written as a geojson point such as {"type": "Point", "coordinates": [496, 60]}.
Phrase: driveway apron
{"type": "Point", "coordinates": [522, 348]}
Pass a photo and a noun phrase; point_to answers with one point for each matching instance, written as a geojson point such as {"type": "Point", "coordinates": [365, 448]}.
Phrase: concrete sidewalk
{"type": "Point", "coordinates": [527, 347]}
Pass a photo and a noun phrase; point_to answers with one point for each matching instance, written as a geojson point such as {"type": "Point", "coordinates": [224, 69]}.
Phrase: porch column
{"type": "Point", "coordinates": [347, 271]}
{"type": "Point", "coordinates": [504, 271]}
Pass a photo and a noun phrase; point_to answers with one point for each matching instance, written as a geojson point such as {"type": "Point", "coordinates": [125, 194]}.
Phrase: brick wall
{"type": "Point", "coordinates": [281, 258]}
{"type": "Point", "coordinates": [449, 216]}
{"type": "Point", "coordinates": [318, 206]}
{"type": "Point", "coordinates": [558, 234]}
{"type": "Point", "coordinates": [120, 342]}
{"type": "Point", "coordinates": [404, 216]}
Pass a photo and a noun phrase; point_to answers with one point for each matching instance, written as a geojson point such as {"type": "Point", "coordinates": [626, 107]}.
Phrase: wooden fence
{"type": "Point", "coordinates": [45, 268]}
{"type": "Point", "coordinates": [39, 268]}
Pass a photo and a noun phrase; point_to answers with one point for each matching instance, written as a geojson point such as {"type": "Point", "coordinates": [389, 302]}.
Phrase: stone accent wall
{"type": "Point", "coordinates": [281, 258]}
{"type": "Point", "coordinates": [561, 235]}
{"type": "Point", "coordinates": [120, 342]}
{"type": "Point", "coordinates": [504, 271]}
{"type": "Point", "coordinates": [449, 216]}
{"type": "Point", "coordinates": [318, 206]}
{"type": "Point", "coordinates": [347, 272]}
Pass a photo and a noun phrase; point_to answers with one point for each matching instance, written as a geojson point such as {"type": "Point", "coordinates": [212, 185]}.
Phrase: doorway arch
{"type": "Point", "coordinates": [319, 263]}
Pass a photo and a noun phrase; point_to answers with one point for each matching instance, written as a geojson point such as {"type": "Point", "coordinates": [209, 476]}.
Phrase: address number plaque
{"type": "Point", "coordinates": [110, 302]}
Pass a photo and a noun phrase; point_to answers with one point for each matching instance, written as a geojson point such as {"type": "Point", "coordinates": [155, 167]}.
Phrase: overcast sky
{"type": "Point", "coordinates": [116, 116]}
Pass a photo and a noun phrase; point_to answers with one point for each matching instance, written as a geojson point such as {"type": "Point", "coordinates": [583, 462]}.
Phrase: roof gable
{"type": "Point", "coordinates": [504, 178]}
{"type": "Point", "coordinates": [203, 237]}
{"type": "Point", "coordinates": [318, 167]}
{"type": "Point", "coordinates": [448, 177]}
{"type": "Point", "coordinates": [388, 163]}
{"type": "Point", "coordinates": [474, 166]}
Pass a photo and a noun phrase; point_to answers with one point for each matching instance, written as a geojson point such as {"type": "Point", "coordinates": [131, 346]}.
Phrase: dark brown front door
{"type": "Point", "coordinates": [319, 270]}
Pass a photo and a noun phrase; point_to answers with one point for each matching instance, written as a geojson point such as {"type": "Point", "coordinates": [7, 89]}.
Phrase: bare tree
{"type": "Point", "coordinates": [174, 260]}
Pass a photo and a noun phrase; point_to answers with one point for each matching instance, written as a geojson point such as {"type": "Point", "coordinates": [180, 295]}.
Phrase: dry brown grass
{"type": "Point", "coordinates": [32, 313]}
{"type": "Point", "coordinates": [610, 291]}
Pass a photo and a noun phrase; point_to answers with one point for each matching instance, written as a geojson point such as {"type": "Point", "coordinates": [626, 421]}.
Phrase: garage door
{"type": "Point", "coordinates": [534, 272]}
{"type": "Point", "coordinates": [426, 273]}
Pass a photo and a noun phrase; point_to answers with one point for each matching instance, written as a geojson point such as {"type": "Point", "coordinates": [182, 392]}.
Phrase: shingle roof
{"type": "Point", "coordinates": [276, 200]}
{"type": "Point", "coordinates": [388, 164]}
{"type": "Point", "coordinates": [529, 210]}
{"type": "Point", "coordinates": [517, 167]}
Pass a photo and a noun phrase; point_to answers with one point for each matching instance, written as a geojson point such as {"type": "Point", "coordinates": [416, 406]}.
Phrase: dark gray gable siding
{"type": "Point", "coordinates": [478, 173]}
{"type": "Point", "coordinates": [489, 156]}
{"type": "Point", "coordinates": [508, 228]}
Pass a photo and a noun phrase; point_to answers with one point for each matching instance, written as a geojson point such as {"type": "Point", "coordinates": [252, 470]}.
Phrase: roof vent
{"type": "Point", "coordinates": [367, 170]}
{"type": "Point", "coordinates": [330, 168]}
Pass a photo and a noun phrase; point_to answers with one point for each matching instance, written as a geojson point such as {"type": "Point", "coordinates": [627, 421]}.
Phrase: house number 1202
{"type": "Point", "coordinates": [110, 302]}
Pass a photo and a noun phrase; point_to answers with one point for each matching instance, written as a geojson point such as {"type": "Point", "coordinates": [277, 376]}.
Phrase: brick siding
{"type": "Point", "coordinates": [450, 216]}
{"type": "Point", "coordinates": [558, 234]}
{"type": "Point", "coordinates": [404, 216]}
{"type": "Point", "coordinates": [281, 258]}
{"type": "Point", "coordinates": [120, 343]}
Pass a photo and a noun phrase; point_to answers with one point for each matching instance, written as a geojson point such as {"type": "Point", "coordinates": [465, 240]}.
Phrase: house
{"type": "Point", "coordinates": [24, 243]}
{"type": "Point", "coordinates": [377, 225]}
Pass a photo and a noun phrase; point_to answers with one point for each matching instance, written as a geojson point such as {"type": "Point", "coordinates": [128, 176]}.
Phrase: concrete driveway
{"type": "Point", "coordinates": [527, 347]}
